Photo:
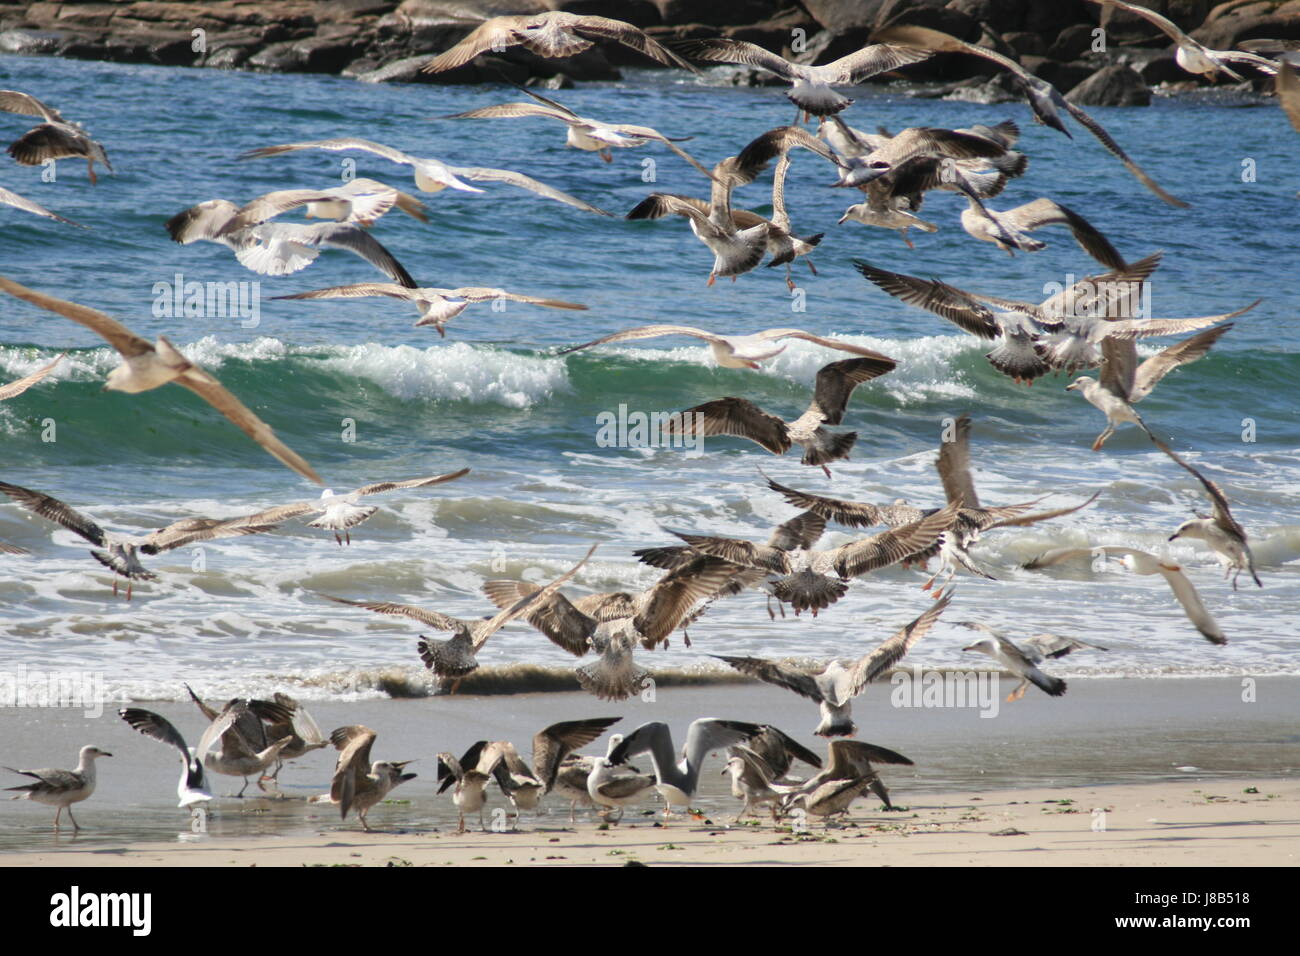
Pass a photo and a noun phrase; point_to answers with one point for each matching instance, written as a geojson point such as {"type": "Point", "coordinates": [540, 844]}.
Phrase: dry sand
{"type": "Point", "coordinates": [1188, 823]}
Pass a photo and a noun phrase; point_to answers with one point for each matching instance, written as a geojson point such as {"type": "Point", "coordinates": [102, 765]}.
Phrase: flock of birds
{"type": "Point", "coordinates": [1094, 324]}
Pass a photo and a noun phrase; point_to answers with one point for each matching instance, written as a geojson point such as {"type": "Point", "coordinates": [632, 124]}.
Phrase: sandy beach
{"type": "Point", "coordinates": [1231, 822]}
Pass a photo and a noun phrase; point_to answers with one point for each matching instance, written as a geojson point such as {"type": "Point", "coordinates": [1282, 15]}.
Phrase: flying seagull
{"type": "Point", "coordinates": [359, 200]}
{"type": "Point", "coordinates": [341, 513]}
{"type": "Point", "coordinates": [54, 138]}
{"type": "Point", "coordinates": [61, 788]}
{"type": "Point", "coordinates": [437, 306]}
{"type": "Point", "coordinates": [357, 783]}
{"type": "Point", "coordinates": [990, 225]}
{"type": "Point", "coordinates": [1018, 662]}
{"type": "Point", "coordinates": [741, 418]}
{"type": "Point", "coordinates": [811, 87]}
{"type": "Point", "coordinates": [10, 198]}
{"type": "Point", "coordinates": [835, 685]}
{"type": "Point", "coordinates": [193, 787]}
{"type": "Point", "coordinates": [120, 551]}
{"type": "Point", "coordinates": [583, 133]}
{"type": "Point", "coordinates": [1192, 56]}
{"type": "Point", "coordinates": [14, 389]}
{"type": "Point", "coordinates": [732, 351]}
{"type": "Point", "coordinates": [432, 175]}
{"type": "Point", "coordinates": [1140, 562]}
{"type": "Point", "coordinates": [549, 35]}
{"type": "Point", "coordinates": [1220, 530]}
{"type": "Point", "coordinates": [280, 248]}
{"type": "Point", "coordinates": [147, 366]}
{"type": "Point", "coordinates": [1044, 99]}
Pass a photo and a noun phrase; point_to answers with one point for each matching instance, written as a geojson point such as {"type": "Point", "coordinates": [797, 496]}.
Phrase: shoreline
{"type": "Point", "coordinates": [1191, 823]}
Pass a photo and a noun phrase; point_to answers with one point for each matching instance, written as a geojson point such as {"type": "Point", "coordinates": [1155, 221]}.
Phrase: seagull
{"type": "Point", "coordinates": [14, 389]}
{"type": "Point", "coordinates": [549, 35]}
{"type": "Point", "coordinates": [454, 658]}
{"type": "Point", "coordinates": [357, 782]}
{"type": "Point", "coordinates": [359, 200]}
{"type": "Point", "coordinates": [732, 351]}
{"type": "Point", "coordinates": [193, 786]}
{"type": "Point", "coordinates": [677, 781]}
{"type": "Point", "coordinates": [516, 780]}
{"type": "Point", "coordinates": [1220, 531]}
{"type": "Point", "coordinates": [437, 306]}
{"type": "Point", "coordinates": [954, 468]}
{"type": "Point", "coordinates": [237, 743]}
{"type": "Point", "coordinates": [811, 580]}
{"type": "Point", "coordinates": [147, 366]}
{"type": "Point", "coordinates": [341, 513]}
{"type": "Point", "coordinates": [280, 248]}
{"type": "Point", "coordinates": [741, 418]}
{"type": "Point", "coordinates": [1192, 56]}
{"type": "Point", "coordinates": [10, 198]}
{"type": "Point", "coordinates": [836, 684]}
{"type": "Point", "coordinates": [1019, 662]}
{"type": "Point", "coordinates": [586, 134]}
{"type": "Point", "coordinates": [613, 786]}
{"type": "Point", "coordinates": [432, 175]}
{"type": "Point", "coordinates": [811, 86]}
{"type": "Point", "coordinates": [1044, 99]}
{"type": "Point", "coordinates": [120, 551]}
{"type": "Point", "coordinates": [304, 733]}
{"type": "Point", "coordinates": [1140, 562]}
{"type": "Point", "coordinates": [754, 768]}
{"type": "Point", "coordinates": [471, 779]}
{"type": "Point", "coordinates": [1021, 658]}
{"type": "Point", "coordinates": [850, 771]}
{"type": "Point", "coordinates": [989, 225]}
{"type": "Point", "coordinates": [54, 138]}
{"type": "Point", "coordinates": [553, 745]}
{"type": "Point", "coordinates": [1124, 383]}
{"type": "Point", "coordinates": [885, 155]}
{"type": "Point", "coordinates": [61, 788]}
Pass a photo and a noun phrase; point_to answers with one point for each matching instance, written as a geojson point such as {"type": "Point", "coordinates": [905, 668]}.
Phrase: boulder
{"type": "Point", "coordinates": [1227, 32]}
{"type": "Point", "coordinates": [841, 15]}
{"type": "Point", "coordinates": [1160, 68]}
{"type": "Point", "coordinates": [1001, 16]}
{"type": "Point", "coordinates": [1063, 76]}
{"type": "Point", "coordinates": [1124, 27]}
{"type": "Point", "coordinates": [929, 14]}
{"type": "Point", "coordinates": [639, 13]}
{"type": "Point", "coordinates": [1114, 85]}
{"type": "Point", "coordinates": [1050, 17]}
{"type": "Point", "coordinates": [1025, 44]}
{"type": "Point", "coordinates": [282, 57]}
{"type": "Point", "coordinates": [1072, 42]}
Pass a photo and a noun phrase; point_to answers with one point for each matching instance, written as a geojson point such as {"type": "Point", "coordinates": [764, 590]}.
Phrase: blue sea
{"type": "Point", "coordinates": [364, 396]}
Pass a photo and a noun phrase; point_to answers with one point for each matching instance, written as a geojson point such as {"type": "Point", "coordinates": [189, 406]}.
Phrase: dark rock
{"type": "Point", "coordinates": [1123, 27]}
{"type": "Point", "coordinates": [931, 15]}
{"type": "Point", "coordinates": [639, 13]}
{"type": "Point", "coordinates": [1063, 76]}
{"type": "Point", "coordinates": [1228, 32]}
{"type": "Point", "coordinates": [777, 33]}
{"type": "Point", "coordinates": [1115, 85]}
{"type": "Point", "coordinates": [280, 57]}
{"type": "Point", "coordinates": [1072, 42]}
{"type": "Point", "coordinates": [1001, 16]}
{"type": "Point", "coordinates": [350, 9]}
{"type": "Point", "coordinates": [324, 54]}
{"type": "Point", "coordinates": [841, 15]}
{"type": "Point", "coordinates": [1002, 88]}
{"type": "Point", "coordinates": [1049, 18]}
{"type": "Point", "coordinates": [1025, 44]}
{"type": "Point", "coordinates": [172, 49]}
{"type": "Point", "coordinates": [359, 67]}
{"type": "Point", "coordinates": [1160, 68]}
{"type": "Point", "coordinates": [464, 12]}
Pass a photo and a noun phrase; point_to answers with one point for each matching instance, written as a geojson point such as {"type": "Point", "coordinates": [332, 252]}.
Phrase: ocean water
{"type": "Point", "coordinates": [246, 616]}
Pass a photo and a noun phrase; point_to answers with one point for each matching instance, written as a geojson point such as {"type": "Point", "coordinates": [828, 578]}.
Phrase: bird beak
{"type": "Point", "coordinates": [1173, 537]}
{"type": "Point", "coordinates": [971, 648]}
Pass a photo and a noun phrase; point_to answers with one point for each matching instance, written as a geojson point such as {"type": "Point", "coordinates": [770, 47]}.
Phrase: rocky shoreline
{"type": "Point", "coordinates": [388, 40]}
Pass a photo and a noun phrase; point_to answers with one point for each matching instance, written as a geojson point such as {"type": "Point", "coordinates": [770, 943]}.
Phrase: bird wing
{"type": "Point", "coordinates": [852, 759]}
{"type": "Point", "coordinates": [335, 145]}
{"type": "Point", "coordinates": [1020, 520]}
{"type": "Point", "coordinates": [9, 198]}
{"type": "Point", "coordinates": [1196, 611]}
{"type": "Point", "coordinates": [127, 343]}
{"type": "Point", "coordinates": [605, 28]}
{"type": "Point", "coordinates": [753, 159]}
{"type": "Point", "coordinates": [836, 382]}
{"type": "Point", "coordinates": [27, 381]}
{"type": "Point", "coordinates": [946, 301]}
{"type": "Point", "coordinates": [851, 513]}
{"type": "Point", "coordinates": [157, 727]}
{"type": "Point", "coordinates": [1119, 361]}
{"type": "Point", "coordinates": [675, 594]}
{"type": "Point", "coordinates": [1149, 373]}
{"type": "Point", "coordinates": [737, 417]}
{"type": "Point", "coordinates": [517, 110]}
{"type": "Point", "coordinates": [24, 104]}
{"type": "Point", "coordinates": [829, 343]}
{"type": "Point", "coordinates": [1288, 94]}
{"type": "Point", "coordinates": [1167, 26]}
{"type": "Point", "coordinates": [736, 551]}
{"type": "Point", "coordinates": [876, 662]}
{"type": "Point", "coordinates": [485, 629]}
{"type": "Point", "coordinates": [708, 734]}
{"type": "Point", "coordinates": [1222, 513]}
{"type": "Point", "coordinates": [1106, 140]}
{"type": "Point", "coordinates": [781, 675]}
{"type": "Point", "coordinates": [358, 290]}
{"type": "Point", "coordinates": [381, 486]}
{"type": "Point", "coordinates": [801, 531]}
{"type": "Point", "coordinates": [557, 618]}
{"type": "Point", "coordinates": [890, 547]}
{"type": "Point", "coordinates": [552, 745]}
{"type": "Point", "coordinates": [353, 744]}
{"type": "Point", "coordinates": [203, 221]}
{"type": "Point", "coordinates": [872, 59]}
{"type": "Point", "coordinates": [646, 332]}
{"type": "Point", "coordinates": [953, 465]}
{"type": "Point", "coordinates": [354, 238]}
{"type": "Point", "coordinates": [722, 50]}
{"type": "Point", "coordinates": [1045, 212]}
{"type": "Point", "coordinates": [435, 619]}
{"type": "Point", "coordinates": [55, 510]}
{"type": "Point", "coordinates": [186, 531]}
{"type": "Point", "coordinates": [511, 178]}
{"type": "Point", "coordinates": [483, 294]}
{"type": "Point", "coordinates": [494, 34]}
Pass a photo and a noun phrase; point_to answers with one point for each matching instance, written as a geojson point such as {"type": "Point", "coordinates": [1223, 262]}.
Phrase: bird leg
{"type": "Point", "coordinates": [712, 279]}
{"type": "Point", "coordinates": [605, 155]}
{"type": "Point", "coordinates": [128, 589]}
{"type": "Point", "coordinates": [90, 167]}
{"type": "Point", "coordinates": [348, 536]}
{"type": "Point", "coordinates": [461, 827]}
{"type": "Point", "coordinates": [58, 812]}
{"type": "Point", "coordinates": [75, 824]}
{"type": "Point", "coordinates": [1019, 692]}
{"type": "Point", "coordinates": [910, 245]}
{"type": "Point", "coordinates": [361, 815]}
{"type": "Point", "coordinates": [243, 788]}
{"type": "Point", "coordinates": [809, 263]}
{"type": "Point", "coordinates": [827, 470]}
{"type": "Point", "coordinates": [337, 539]}
{"type": "Point", "coordinates": [1101, 439]}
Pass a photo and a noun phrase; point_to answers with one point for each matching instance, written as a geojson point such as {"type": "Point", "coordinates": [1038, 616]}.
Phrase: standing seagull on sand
{"type": "Point", "coordinates": [237, 742]}
{"type": "Point", "coordinates": [1220, 531]}
{"type": "Point", "coordinates": [55, 138]}
{"type": "Point", "coordinates": [147, 366]}
{"type": "Point", "coordinates": [1018, 660]}
{"type": "Point", "coordinates": [1044, 99]}
{"type": "Point", "coordinates": [358, 783]}
{"type": "Point", "coordinates": [193, 786]}
{"type": "Point", "coordinates": [62, 788]}
{"type": "Point", "coordinates": [471, 777]}
{"type": "Point", "coordinates": [432, 175]}
{"type": "Point", "coordinates": [1140, 562]}
{"type": "Point", "coordinates": [677, 780]}
{"type": "Point", "coordinates": [549, 35]}
{"type": "Point", "coordinates": [586, 134]}
{"type": "Point", "coordinates": [811, 87]}
{"type": "Point", "coordinates": [341, 513]}
{"type": "Point", "coordinates": [1123, 382]}
{"type": "Point", "coordinates": [834, 686]}
{"type": "Point", "coordinates": [1192, 56]}
{"type": "Point", "coordinates": [732, 351]}
{"type": "Point", "coordinates": [741, 418]}
{"type": "Point", "coordinates": [120, 551]}
{"type": "Point", "coordinates": [437, 306]}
